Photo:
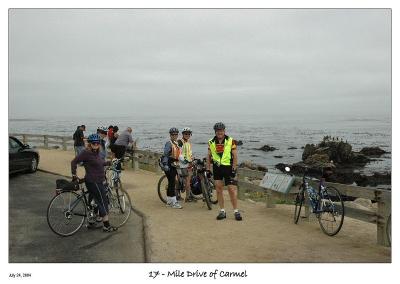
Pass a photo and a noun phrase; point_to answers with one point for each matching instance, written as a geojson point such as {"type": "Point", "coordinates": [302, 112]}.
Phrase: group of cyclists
{"type": "Point", "coordinates": [93, 159]}
{"type": "Point", "coordinates": [222, 157]}
{"type": "Point", "coordinates": [177, 159]}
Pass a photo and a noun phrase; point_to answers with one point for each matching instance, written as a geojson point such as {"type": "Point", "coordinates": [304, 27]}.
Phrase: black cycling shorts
{"type": "Point", "coordinates": [224, 173]}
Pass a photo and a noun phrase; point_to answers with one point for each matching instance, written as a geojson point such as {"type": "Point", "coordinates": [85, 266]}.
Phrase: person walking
{"type": "Point", "coordinates": [79, 143]}
{"type": "Point", "coordinates": [94, 177]}
{"type": "Point", "coordinates": [170, 162]}
{"type": "Point", "coordinates": [222, 152]}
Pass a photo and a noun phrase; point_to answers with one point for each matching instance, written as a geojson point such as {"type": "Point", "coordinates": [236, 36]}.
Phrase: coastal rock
{"type": "Point", "coordinates": [278, 157]}
{"type": "Point", "coordinates": [374, 180]}
{"type": "Point", "coordinates": [360, 159]}
{"type": "Point", "coordinates": [336, 150]}
{"type": "Point", "coordinates": [338, 175]}
{"type": "Point", "coordinates": [267, 148]}
{"type": "Point", "coordinates": [355, 205]}
{"type": "Point", "coordinates": [309, 149]}
{"type": "Point", "coordinates": [372, 151]}
{"type": "Point", "coordinates": [364, 202]}
{"type": "Point", "coordinates": [317, 160]}
{"type": "Point", "coordinates": [252, 166]}
{"type": "Point", "coordinates": [292, 148]}
{"type": "Point", "coordinates": [55, 147]}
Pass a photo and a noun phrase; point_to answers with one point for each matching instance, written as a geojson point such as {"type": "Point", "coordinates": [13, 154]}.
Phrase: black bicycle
{"type": "Point", "coordinates": [325, 202]}
{"type": "Point", "coordinates": [70, 207]}
{"type": "Point", "coordinates": [206, 185]}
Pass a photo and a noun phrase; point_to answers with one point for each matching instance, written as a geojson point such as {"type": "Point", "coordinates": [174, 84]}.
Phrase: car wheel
{"type": "Point", "coordinates": [34, 165]}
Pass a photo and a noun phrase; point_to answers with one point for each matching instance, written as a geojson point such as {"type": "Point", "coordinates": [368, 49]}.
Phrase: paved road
{"type": "Point", "coordinates": [31, 240]}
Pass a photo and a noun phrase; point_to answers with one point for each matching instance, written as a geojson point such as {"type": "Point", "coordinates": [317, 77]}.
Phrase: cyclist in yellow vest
{"type": "Point", "coordinates": [222, 152]}
{"type": "Point", "coordinates": [185, 159]}
{"type": "Point", "coordinates": [170, 162]}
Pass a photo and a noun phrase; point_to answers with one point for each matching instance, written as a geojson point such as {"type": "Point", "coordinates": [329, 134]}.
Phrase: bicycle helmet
{"type": "Point", "coordinates": [186, 130]}
{"type": "Point", "coordinates": [219, 126]}
{"type": "Point", "coordinates": [94, 138]}
{"type": "Point", "coordinates": [102, 129]}
{"type": "Point", "coordinates": [173, 130]}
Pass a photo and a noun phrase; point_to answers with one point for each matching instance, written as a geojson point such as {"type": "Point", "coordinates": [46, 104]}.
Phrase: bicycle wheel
{"type": "Point", "coordinates": [66, 213]}
{"type": "Point", "coordinates": [298, 203]}
{"type": "Point", "coordinates": [212, 192]}
{"type": "Point", "coordinates": [120, 206]}
{"type": "Point", "coordinates": [332, 207]}
{"type": "Point", "coordinates": [162, 188]}
{"type": "Point", "coordinates": [389, 229]}
{"type": "Point", "coordinates": [206, 196]}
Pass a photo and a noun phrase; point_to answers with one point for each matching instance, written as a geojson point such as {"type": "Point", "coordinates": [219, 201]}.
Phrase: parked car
{"type": "Point", "coordinates": [21, 156]}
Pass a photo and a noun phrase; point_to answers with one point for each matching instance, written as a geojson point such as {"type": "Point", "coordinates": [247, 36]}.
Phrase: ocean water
{"type": "Point", "coordinates": [152, 133]}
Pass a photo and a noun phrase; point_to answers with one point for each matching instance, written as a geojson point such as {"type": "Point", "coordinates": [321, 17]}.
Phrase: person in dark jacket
{"type": "Point", "coordinates": [94, 177]}
{"type": "Point", "coordinates": [170, 161]}
{"type": "Point", "coordinates": [79, 143]}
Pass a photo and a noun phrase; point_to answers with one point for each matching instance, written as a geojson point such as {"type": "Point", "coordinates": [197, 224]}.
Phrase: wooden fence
{"type": "Point", "coordinates": [381, 196]}
{"type": "Point", "coordinates": [148, 160]}
{"type": "Point", "coordinates": [45, 141]}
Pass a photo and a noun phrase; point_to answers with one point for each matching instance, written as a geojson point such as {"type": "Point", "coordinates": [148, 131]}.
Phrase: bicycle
{"type": "Point", "coordinates": [207, 185]}
{"type": "Point", "coordinates": [120, 205]}
{"type": "Point", "coordinates": [326, 203]}
{"type": "Point", "coordinates": [68, 210]}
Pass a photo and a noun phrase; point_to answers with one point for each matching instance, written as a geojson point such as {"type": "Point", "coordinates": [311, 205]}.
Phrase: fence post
{"type": "Point", "coordinates": [64, 143]}
{"type": "Point", "coordinates": [46, 141]}
{"type": "Point", "coordinates": [24, 139]}
{"type": "Point", "coordinates": [156, 165]}
{"type": "Point", "coordinates": [269, 200]}
{"type": "Point", "coordinates": [135, 161]}
{"type": "Point", "coordinates": [384, 208]}
{"type": "Point", "coordinates": [306, 206]}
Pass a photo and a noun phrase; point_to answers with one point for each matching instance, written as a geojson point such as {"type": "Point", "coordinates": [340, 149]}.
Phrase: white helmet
{"type": "Point", "coordinates": [186, 129]}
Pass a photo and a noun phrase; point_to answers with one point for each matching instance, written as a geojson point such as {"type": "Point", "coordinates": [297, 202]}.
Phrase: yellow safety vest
{"type": "Point", "coordinates": [225, 160]}
{"type": "Point", "coordinates": [187, 150]}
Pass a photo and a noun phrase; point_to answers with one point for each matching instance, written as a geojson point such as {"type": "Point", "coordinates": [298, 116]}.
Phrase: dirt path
{"type": "Point", "coordinates": [265, 235]}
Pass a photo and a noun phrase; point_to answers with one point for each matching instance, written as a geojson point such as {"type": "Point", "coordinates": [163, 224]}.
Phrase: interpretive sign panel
{"type": "Point", "coordinates": [277, 182]}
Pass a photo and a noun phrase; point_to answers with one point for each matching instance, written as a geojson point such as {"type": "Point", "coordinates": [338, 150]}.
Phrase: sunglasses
{"type": "Point", "coordinates": [95, 143]}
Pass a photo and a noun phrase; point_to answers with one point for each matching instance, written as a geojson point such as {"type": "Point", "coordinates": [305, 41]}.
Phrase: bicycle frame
{"type": "Point", "coordinates": [321, 186]}
{"type": "Point", "coordinates": [82, 195]}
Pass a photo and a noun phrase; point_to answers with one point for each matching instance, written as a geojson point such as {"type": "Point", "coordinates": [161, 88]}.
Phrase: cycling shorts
{"type": "Point", "coordinates": [224, 173]}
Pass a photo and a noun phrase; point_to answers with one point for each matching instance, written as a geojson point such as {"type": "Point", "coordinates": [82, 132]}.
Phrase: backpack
{"type": "Point", "coordinates": [195, 185]}
{"type": "Point", "coordinates": [66, 185]}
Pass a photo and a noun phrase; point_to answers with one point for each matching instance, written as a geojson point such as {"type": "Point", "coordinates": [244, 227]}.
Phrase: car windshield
{"type": "Point", "coordinates": [13, 143]}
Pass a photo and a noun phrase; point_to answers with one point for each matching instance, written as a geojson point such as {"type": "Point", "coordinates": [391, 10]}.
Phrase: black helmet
{"type": "Point", "coordinates": [173, 130]}
{"type": "Point", "coordinates": [219, 126]}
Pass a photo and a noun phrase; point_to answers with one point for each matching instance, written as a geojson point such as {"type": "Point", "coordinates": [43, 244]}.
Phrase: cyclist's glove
{"type": "Point", "coordinates": [166, 168]}
{"type": "Point", "coordinates": [209, 174]}
{"type": "Point", "coordinates": [233, 174]}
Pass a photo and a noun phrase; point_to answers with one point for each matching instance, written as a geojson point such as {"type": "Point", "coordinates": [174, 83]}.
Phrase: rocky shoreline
{"type": "Point", "coordinates": [336, 157]}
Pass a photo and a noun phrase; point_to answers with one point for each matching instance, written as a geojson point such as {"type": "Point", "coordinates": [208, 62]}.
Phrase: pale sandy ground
{"type": "Point", "coordinates": [265, 235]}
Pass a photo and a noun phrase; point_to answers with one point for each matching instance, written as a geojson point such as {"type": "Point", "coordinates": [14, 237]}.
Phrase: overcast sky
{"type": "Point", "coordinates": [240, 62]}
